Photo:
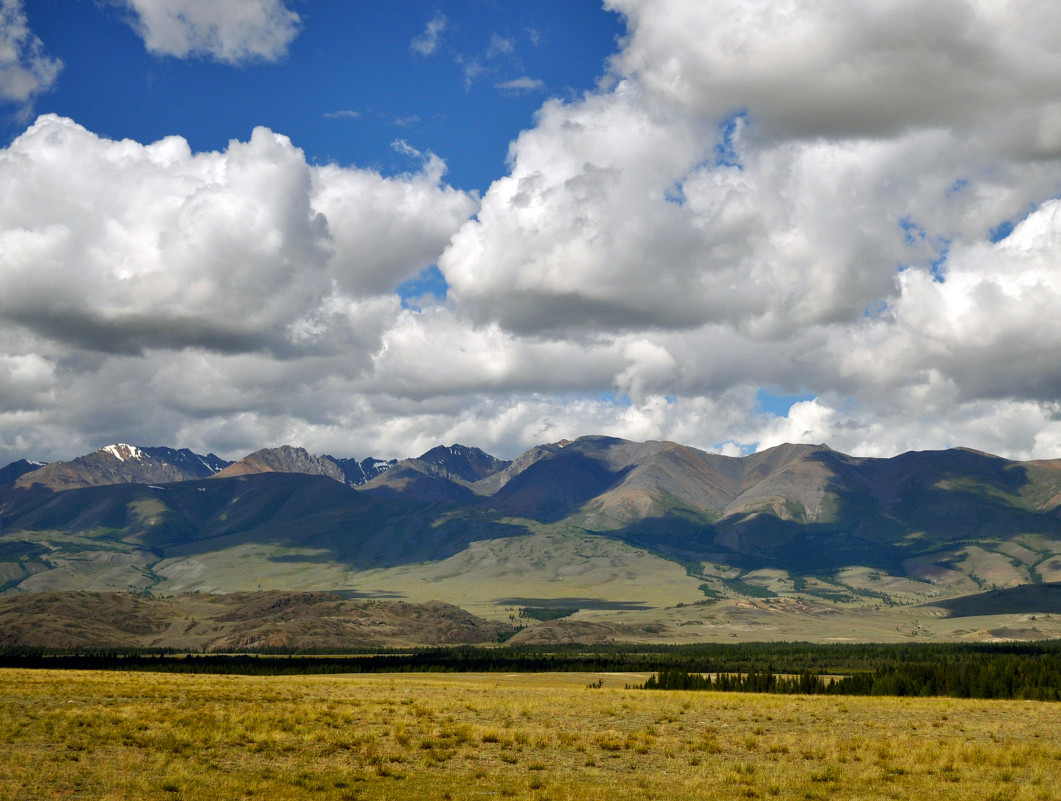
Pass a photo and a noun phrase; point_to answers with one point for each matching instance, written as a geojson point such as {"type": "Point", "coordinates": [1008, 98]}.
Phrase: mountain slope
{"type": "Point", "coordinates": [361, 472]}
{"type": "Point", "coordinates": [408, 480]}
{"type": "Point", "coordinates": [14, 471]}
{"type": "Point", "coordinates": [143, 536]}
{"type": "Point", "coordinates": [608, 483]}
{"type": "Point", "coordinates": [495, 481]}
{"type": "Point", "coordinates": [451, 474]}
{"type": "Point", "coordinates": [461, 463]}
{"type": "Point", "coordinates": [122, 464]}
{"type": "Point", "coordinates": [558, 485]}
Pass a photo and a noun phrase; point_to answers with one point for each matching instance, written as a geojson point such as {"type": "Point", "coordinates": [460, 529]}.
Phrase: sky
{"type": "Point", "coordinates": [371, 228]}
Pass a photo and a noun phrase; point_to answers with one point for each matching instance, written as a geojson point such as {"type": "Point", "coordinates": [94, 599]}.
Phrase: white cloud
{"type": "Point", "coordinates": [780, 204]}
{"type": "Point", "coordinates": [521, 85]}
{"type": "Point", "coordinates": [229, 31]}
{"type": "Point", "coordinates": [799, 196]}
{"type": "Point", "coordinates": [26, 70]}
{"type": "Point", "coordinates": [385, 230]}
{"type": "Point", "coordinates": [427, 43]}
{"type": "Point", "coordinates": [500, 46]}
{"type": "Point", "coordinates": [472, 68]}
{"type": "Point", "coordinates": [254, 271]}
{"type": "Point", "coordinates": [119, 247]}
{"type": "Point", "coordinates": [858, 70]}
{"type": "Point", "coordinates": [342, 114]}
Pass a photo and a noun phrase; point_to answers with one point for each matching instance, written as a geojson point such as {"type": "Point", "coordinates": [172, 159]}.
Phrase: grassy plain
{"type": "Point", "coordinates": [444, 737]}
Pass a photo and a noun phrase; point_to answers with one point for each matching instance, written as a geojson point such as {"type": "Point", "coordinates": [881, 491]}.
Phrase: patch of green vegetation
{"type": "Point", "coordinates": [1002, 670]}
{"type": "Point", "coordinates": [829, 509]}
{"type": "Point", "coordinates": [843, 593]}
{"type": "Point", "coordinates": [11, 584]}
{"type": "Point", "coordinates": [868, 593]}
{"type": "Point", "coordinates": [748, 589]}
{"type": "Point", "coordinates": [21, 551]}
{"type": "Point", "coordinates": [796, 510]}
{"type": "Point", "coordinates": [144, 509]}
{"type": "Point", "coordinates": [105, 534]}
{"type": "Point", "coordinates": [546, 613]}
{"type": "Point", "coordinates": [67, 545]}
{"type": "Point", "coordinates": [980, 489]}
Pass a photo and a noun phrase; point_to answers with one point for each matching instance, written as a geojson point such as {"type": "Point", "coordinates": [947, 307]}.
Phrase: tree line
{"type": "Point", "coordinates": [995, 670]}
{"type": "Point", "coordinates": [1004, 677]}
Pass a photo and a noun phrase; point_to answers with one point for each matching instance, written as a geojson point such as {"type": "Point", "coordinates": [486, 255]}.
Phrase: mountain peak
{"type": "Point", "coordinates": [121, 451]}
{"type": "Point", "coordinates": [446, 472]}
{"type": "Point", "coordinates": [285, 459]}
{"type": "Point", "coordinates": [15, 470]}
{"type": "Point", "coordinates": [462, 462]}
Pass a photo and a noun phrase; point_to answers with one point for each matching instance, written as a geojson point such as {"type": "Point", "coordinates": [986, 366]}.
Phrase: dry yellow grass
{"type": "Point", "coordinates": [124, 736]}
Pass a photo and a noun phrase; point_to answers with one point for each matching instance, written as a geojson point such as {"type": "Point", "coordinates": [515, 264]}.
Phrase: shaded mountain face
{"type": "Point", "coordinates": [163, 516]}
{"type": "Point", "coordinates": [408, 480]}
{"type": "Point", "coordinates": [444, 474]}
{"type": "Point", "coordinates": [461, 463]}
{"type": "Point", "coordinates": [122, 464]}
{"type": "Point", "coordinates": [14, 471]}
{"type": "Point", "coordinates": [495, 481]}
{"type": "Point", "coordinates": [556, 487]}
{"type": "Point", "coordinates": [361, 472]}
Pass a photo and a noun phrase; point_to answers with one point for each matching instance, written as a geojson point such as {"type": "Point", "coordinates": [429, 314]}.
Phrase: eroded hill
{"type": "Point", "coordinates": [266, 621]}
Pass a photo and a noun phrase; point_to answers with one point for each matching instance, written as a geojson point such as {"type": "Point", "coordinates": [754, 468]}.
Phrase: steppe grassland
{"type": "Point", "coordinates": [109, 735]}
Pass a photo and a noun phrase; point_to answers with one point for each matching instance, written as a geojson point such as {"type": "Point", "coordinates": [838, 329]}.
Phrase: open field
{"type": "Point", "coordinates": [106, 735]}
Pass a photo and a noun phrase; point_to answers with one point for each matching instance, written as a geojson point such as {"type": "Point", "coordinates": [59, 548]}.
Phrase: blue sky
{"type": "Point", "coordinates": [350, 84]}
{"type": "Point", "coordinates": [371, 228]}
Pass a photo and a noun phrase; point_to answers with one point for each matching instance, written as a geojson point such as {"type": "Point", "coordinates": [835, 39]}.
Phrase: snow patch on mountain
{"type": "Point", "coordinates": [121, 451]}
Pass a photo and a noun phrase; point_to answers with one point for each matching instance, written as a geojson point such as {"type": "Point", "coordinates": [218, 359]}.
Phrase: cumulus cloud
{"type": "Point", "coordinates": [228, 31]}
{"type": "Point", "coordinates": [765, 167]}
{"type": "Point", "coordinates": [117, 246]}
{"type": "Point", "coordinates": [252, 270]}
{"type": "Point", "coordinates": [799, 196]}
{"type": "Point", "coordinates": [810, 69]}
{"type": "Point", "coordinates": [26, 70]}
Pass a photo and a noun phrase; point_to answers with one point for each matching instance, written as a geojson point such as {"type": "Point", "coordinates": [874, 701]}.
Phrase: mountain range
{"type": "Point", "coordinates": [637, 532]}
